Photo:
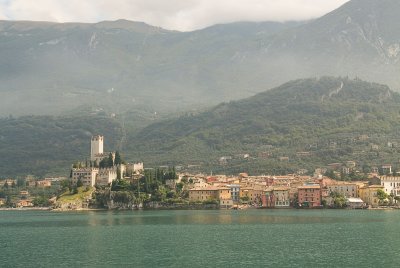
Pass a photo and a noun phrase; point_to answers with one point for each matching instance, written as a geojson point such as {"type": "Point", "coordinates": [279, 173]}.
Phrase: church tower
{"type": "Point", "coordinates": [96, 147]}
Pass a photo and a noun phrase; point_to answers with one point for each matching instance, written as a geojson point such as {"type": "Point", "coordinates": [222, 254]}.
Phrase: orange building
{"type": "Point", "coordinates": [309, 195]}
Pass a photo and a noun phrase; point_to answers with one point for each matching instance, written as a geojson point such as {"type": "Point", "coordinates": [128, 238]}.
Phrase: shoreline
{"type": "Point", "coordinates": [142, 209]}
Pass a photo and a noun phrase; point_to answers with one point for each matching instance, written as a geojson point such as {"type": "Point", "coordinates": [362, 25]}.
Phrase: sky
{"type": "Point", "coordinates": [182, 15]}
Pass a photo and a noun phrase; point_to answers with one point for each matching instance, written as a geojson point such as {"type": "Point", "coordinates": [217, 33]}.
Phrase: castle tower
{"type": "Point", "coordinates": [96, 146]}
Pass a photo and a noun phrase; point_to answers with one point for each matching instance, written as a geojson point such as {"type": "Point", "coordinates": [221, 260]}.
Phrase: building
{"type": "Point", "coordinates": [24, 203]}
{"type": "Point", "coordinates": [386, 169]}
{"type": "Point", "coordinates": [281, 197]}
{"type": "Point", "coordinates": [219, 194]}
{"type": "Point", "coordinates": [96, 148]}
{"type": "Point", "coordinates": [391, 185]}
{"type": "Point", "coordinates": [105, 176]}
{"type": "Point", "coordinates": [86, 175]}
{"type": "Point", "coordinates": [134, 168]}
{"type": "Point", "coordinates": [235, 192]}
{"type": "Point", "coordinates": [353, 202]}
{"type": "Point", "coordinates": [94, 176]}
{"type": "Point", "coordinates": [369, 194]}
{"type": "Point", "coordinates": [253, 194]}
{"type": "Point", "coordinates": [309, 195]}
{"type": "Point", "coordinates": [344, 188]}
{"type": "Point", "coordinates": [43, 183]}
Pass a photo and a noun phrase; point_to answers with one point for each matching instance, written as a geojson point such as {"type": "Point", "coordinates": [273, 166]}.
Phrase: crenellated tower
{"type": "Point", "coordinates": [96, 147]}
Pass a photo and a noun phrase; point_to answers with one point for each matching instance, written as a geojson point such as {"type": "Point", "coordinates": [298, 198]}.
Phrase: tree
{"type": "Point", "coordinates": [41, 201]}
{"type": "Point", "coordinates": [118, 159]}
{"type": "Point", "coordinates": [20, 182]}
{"type": "Point", "coordinates": [331, 174]}
{"type": "Point", "coordinates": [381, 195]}
{"type": "Point", "coordinates": [110, 161]}
{"type": "Point", "coordinates": [79, 183]}
{"type": "Point", "coordinates": [5, 185]}
{"type": "Point", "coordinates": [65, 184]}
{"type": "Point", "coordinates": [118, 173]}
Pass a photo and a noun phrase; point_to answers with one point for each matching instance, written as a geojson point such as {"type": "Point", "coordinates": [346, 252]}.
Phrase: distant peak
{"type": "Point", "coordinates": [136, 26]}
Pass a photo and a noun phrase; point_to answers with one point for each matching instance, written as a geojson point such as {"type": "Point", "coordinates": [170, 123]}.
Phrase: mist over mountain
{"type": "Point", "coordinates": [50, 67]}
{"type": "Point", "coordinates": [122, 65]}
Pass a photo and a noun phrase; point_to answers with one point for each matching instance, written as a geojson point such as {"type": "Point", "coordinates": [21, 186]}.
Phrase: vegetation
{"type": "Point", "coordinates": [339, 200]}
{"type": "Point", "coordinates": [329, 120]}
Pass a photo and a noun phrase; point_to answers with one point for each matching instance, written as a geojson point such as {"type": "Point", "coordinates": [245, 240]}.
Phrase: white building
{"type": "Point", "coordinates": [391, 185]}
{"type": "Point", "coordinates": [86, 175]}
{"type": "Point", "coordinates": [94, 176]}
{"type": "Point", "coordinates": [134, 168]}
{"type": "Point", "coordinates": [96, 148]}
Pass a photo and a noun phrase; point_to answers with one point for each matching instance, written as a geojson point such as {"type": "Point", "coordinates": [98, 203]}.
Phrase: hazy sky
{"type": "Point", "coordinates": [181, 15]}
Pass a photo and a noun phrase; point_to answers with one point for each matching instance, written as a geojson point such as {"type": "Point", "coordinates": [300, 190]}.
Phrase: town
{"type": "Point", "coordinates": [106, 181]}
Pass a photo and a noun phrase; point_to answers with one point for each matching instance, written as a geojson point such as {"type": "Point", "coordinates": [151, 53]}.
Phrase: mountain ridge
{"type": "Point", "coordinates": [290, 118]}
{"type": "Point", "coordinates": [78, 66]}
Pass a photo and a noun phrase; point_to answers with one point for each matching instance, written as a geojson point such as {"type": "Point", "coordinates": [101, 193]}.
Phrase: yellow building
{"type": "Point", "coordinates": [210, 193]}
{"type": "Point", "coordinates": [369, 194]}
{"type": "Point", "coordinates": [254, 194]}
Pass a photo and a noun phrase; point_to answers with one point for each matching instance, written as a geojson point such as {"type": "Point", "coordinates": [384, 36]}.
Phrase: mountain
{"type": "Point", "coordinates": [52, 68]}
{"type": "Point", "coordinates": [313, 122]}
{"type": "Point", "coordinates": [309, 122]}
{"type": "Point", "coordinates": [361, 38]}
{"type": "Point", "coordinates": [122, 65]}
{"type": "Point", "coordinates": [47, 145]}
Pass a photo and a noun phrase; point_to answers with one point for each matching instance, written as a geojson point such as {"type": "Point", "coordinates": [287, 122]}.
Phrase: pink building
{"type": "Point", "coordinates": [309, 195]}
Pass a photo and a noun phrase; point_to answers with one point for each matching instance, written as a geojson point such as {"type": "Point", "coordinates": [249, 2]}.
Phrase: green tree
{"type": "Point", "coordinates": [20, 182]}
{"type": "Point", "coordinates": [41, 201]}
{"type": "Point", "coordinates": [110, 161]}
{"type": "Point", "coordinates": [118, 159]}
{"type": "Point", "coordinates": [381, 195]}
{"type": "Point", "coordinates": [79, 183]}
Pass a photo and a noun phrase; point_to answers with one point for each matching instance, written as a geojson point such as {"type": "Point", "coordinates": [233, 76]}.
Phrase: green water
{"type": "Point", "coordinates": [252, 238]}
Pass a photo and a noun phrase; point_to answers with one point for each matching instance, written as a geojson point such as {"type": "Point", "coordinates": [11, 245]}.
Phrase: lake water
{"type": "Point", "coordinates": [205, 238]}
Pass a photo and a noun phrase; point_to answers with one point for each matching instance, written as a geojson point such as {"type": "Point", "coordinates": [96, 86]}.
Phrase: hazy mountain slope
{"type": "Point", "coordinates": [303, 115]}
{"type": "Point", "coordinates": [331, 119]}
{"type": "Point", "coordinates": [45, 145]}
{"type": "Point", "coordinates": [361, 38]}
{"type": "Point", "coordinates": [56, 67]}
{"type": "Point", "coordinates": [49, 67]}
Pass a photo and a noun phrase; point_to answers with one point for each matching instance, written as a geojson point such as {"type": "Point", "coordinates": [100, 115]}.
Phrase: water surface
{"type": "Point", "coordinates": [205, 238]}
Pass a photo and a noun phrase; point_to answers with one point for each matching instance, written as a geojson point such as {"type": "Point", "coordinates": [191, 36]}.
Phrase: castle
{"type": "Point", "coordinates": [94, 174]}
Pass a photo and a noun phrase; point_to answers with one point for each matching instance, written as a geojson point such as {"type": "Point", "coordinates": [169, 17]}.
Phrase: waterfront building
{"type": "Point", "coordinates": [353, 202]}
{"type": "Point", "coordinates": [235, 192]}
{"type": "Point", "coordinates": [309, 195]}
{"type": "Point", "coordinates": [24, 203]}
{"type": "Point", "coordinates": [391, 185]}
{"type": "Point", "coordinates": [253, 194]}
{"type": "Point", "coordinates": [344, 188]}
{"type": "Point", "coordinates": [281, 197]}
{"type": "Point", "coordinates": [219, 194]}
{"type": "Point", "coordinates": [268, 198]}
{"type": "Point", "coordinates": [369, 194]}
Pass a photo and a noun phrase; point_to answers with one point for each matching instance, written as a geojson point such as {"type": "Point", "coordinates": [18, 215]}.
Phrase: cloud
{"type": "Point", "coordinates": [182, 15]}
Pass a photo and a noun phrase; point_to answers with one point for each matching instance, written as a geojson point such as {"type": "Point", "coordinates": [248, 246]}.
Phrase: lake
{"type": "Point", "coordinates": [201, 238]}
